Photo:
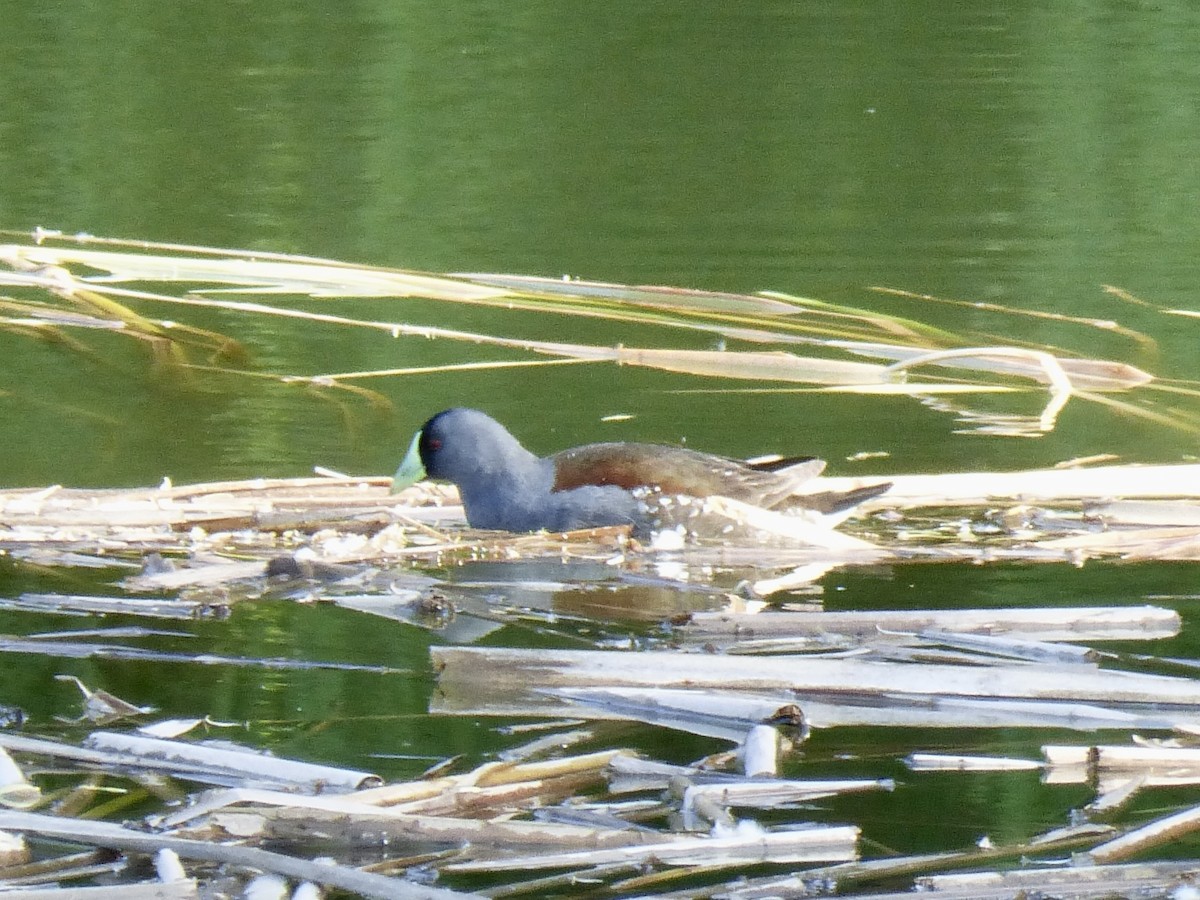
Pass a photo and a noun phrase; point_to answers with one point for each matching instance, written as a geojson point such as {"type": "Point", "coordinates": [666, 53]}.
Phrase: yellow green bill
{"type": "Point", "coordinates": [411, 469]}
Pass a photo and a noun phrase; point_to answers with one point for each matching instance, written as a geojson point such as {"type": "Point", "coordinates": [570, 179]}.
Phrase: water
{"type": "Point", "coordinates": [1018, 156]}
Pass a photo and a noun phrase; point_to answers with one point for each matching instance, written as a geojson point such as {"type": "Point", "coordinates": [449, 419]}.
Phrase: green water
{"type": "Point", "coordinates": [1024, 156]}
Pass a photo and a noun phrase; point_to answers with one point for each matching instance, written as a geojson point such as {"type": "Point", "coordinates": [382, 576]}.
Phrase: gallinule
{"type": "Point", "coordinates": [504, 486]}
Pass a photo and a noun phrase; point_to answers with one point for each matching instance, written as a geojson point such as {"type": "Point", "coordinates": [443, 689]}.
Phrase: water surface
{"type": "Point", "coordinates": [1021, 156]}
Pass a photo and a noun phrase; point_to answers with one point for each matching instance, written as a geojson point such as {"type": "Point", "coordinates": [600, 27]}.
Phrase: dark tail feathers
{"type": "Point", "coordinates": [839, 501]}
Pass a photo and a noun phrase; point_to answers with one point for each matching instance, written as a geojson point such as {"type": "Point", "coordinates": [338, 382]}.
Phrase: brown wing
{"type": "Point", "coordinates": [677, 471]}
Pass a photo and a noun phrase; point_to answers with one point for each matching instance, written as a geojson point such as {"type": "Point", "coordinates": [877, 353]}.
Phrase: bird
{"type": "Point", "coordinates": [506, 487]}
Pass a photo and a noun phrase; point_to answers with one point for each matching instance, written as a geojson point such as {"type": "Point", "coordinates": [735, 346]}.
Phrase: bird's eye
{"type": "Point", "coordinates": [435, 444]}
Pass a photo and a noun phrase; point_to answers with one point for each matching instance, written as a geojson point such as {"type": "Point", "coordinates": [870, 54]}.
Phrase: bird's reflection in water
{"type": "Point", "coordinates": [585, 589]}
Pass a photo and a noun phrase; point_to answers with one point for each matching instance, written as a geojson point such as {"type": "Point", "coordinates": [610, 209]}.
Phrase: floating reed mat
{"type": "Point", "coordinates": [472, 822]}
{"type": "Point", "coordinates": [734, 691]}
{"type": "Point", "coordinates": [262, 504]}
{"type": "Point", "coordinates": [680, 832]}
{"type": "Point", "coordinates": [1146, 512]}
{"type": "Point", "coordinates": [1038, 485]}
{"type": "Point", "coordinates": [773, 629]}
